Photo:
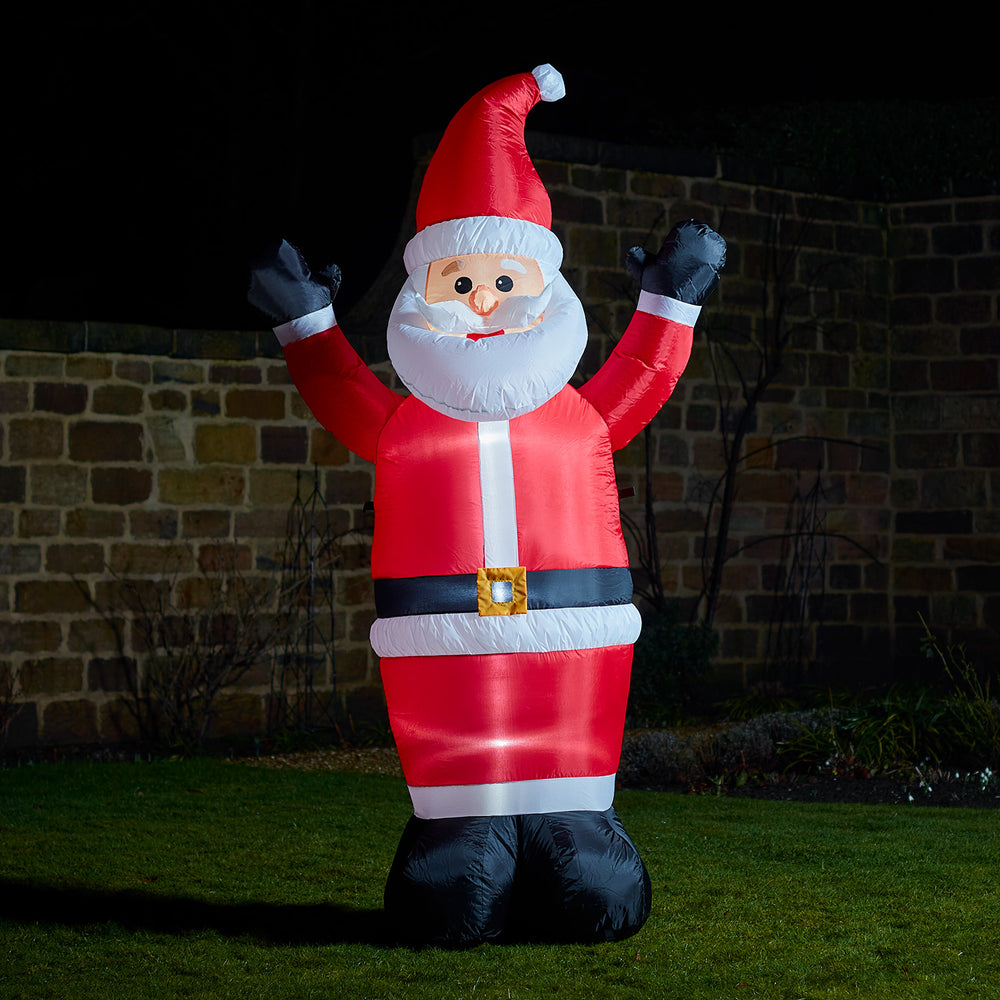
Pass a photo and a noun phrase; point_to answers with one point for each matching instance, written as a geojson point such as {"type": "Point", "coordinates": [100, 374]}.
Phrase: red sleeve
{"type": "Point", "coordinates": [343, 393]}
{"type": "Point", "coordinates": [640, 375]}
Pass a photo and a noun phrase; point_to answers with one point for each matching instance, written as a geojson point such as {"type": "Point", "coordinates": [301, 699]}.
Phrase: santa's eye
{"type": "Point", "coordinates": [504, 283]}
{"type": "Point", "coordinates": [463, 285]}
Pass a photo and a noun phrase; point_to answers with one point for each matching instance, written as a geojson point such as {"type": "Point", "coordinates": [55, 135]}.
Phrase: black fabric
{"type": "Point", "coordinates": [687, 266]}
{"type": "Point", "coordinates": [546, 877]}
{"type": "Point", "coordinates": [551, 588]}
{"type": "Point", "coordinates": [283, 288]}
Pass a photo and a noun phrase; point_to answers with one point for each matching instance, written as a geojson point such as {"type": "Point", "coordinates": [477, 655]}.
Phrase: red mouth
{"type": "Point", "coordinates": [480, 336]}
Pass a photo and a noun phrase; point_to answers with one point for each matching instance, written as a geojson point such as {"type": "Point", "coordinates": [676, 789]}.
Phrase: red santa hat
{"type": "Point", "coordinates": [481, 193]}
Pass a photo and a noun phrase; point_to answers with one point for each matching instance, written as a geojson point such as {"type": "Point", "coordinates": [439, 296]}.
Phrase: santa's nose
{"type": "Point", "coordinates": [483, 301]}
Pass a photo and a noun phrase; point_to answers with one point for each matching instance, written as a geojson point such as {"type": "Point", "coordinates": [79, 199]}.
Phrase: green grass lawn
{"type": "Point", "coordinates": [207, 879]}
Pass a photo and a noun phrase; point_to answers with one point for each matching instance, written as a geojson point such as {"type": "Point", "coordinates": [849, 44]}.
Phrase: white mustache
{"type": "Point", "coordinates": [495, 379]}
{"type": "Point", "coordinates": [455, 317]}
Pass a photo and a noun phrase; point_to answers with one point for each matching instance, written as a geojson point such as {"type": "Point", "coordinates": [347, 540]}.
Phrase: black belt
{"type": "Point", "coordinates": [547, 588]}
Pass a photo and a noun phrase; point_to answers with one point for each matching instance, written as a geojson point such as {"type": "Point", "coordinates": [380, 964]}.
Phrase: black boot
{"type": "Point", "coordinates": [451, 880]}
{"type": "Point", "coordinates": [569, 876]}
{"type": "Point", "coordinates": [579, 878]}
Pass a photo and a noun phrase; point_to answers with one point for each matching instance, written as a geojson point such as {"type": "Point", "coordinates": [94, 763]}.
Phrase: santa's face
{"type": "Point", "coordinates": [443, 341]}
{"type": "Point", "coordinates": [483, 282]}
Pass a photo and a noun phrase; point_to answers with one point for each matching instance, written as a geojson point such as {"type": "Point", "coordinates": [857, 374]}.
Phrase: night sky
{"type": "Point", "coordinates": [152, 150]}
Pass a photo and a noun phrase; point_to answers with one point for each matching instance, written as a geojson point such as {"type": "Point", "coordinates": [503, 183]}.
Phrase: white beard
{"type": "Point", "coordinates": [496, 378]}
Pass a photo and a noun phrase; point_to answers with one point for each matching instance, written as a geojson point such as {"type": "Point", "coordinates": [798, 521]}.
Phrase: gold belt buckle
{"type": "Point", "coordinates": [502, 591]}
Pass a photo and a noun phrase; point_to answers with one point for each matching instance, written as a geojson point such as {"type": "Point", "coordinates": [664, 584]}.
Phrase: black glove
{"type": "Point", "coordinates": [282, 287]}
{"type": "Point", "coordinates": [687, 266]}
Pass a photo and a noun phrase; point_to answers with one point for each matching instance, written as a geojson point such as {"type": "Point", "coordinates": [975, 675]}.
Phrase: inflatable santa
{"type": "Point", "coordinates": [505, 623]}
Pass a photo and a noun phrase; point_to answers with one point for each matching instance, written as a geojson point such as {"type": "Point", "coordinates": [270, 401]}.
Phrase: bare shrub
{"type": "Point", "coordinates": [189, 639]}
{"type": "Point", "coordinates": [10, 705]}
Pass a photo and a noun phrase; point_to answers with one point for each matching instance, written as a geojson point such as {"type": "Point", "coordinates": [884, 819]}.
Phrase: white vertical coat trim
{"type": "Point", "coordinates": [496, 481]}
{"type": "Point", "coordinates": [668, 308]}
{"type": "Point", "coordinates": [514, 798]}
{"type": "Point", "coordinates": [306, 326]}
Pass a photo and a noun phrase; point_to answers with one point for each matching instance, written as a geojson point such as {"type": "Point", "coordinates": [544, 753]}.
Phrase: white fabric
{"type": "Point", "coordinates": [550, 82]}
{"type": "Point", "coordinates": [513, 798]}
{"type": "Point", "coordinates": [306, 326]}
{"type": "Point", "coordinates": [668, 308]}
{"type": "Point", "coordinates": [456, 318]}
{"type": "Point", "coordinates": [496, 481]}
{"type": "Point", "coordinates": [496, 378]}
{"type": "Point", "coordinates": [485, 234]}
{"type": "Point", "coordinates": [469, 633]}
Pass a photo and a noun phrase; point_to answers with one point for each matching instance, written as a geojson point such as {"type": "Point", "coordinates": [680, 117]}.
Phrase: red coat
{"type": "Point", "coordinates": [501, 713]}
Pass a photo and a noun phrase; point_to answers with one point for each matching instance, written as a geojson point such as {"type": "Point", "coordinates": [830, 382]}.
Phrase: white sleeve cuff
{"type": "Point", "coordinates": [668, 308]}
{"type": "Point", "coordinates": [305, 326]}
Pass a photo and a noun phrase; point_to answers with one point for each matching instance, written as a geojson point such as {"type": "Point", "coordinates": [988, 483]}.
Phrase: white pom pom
{"type": "Point", "coordinates": [550, 82]}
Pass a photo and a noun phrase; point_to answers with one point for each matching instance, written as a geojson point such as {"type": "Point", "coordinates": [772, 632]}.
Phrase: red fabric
{"type": "Point", "coordinates": [344, 395]}
{"type": "Point", "coordinates": [481, 165]}
{"type": "Point", "coordinates": [566, 492]}
{"type": "Point", "coordinates": [428, 505]}
{"type": "Point", "coordinates": [461, 720]}
{"type": "Point", "coordinates": [639, 376]}
{"type": "Point", "coordinates": [505, 717]}
{"type": "Point", "coordinates": [628, 391]}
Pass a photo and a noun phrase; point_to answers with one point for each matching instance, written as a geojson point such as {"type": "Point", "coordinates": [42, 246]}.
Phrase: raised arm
{"type": "Point", "coordinates": [342, 392]}
{"type": "Point", "coordinates": [639, 376]}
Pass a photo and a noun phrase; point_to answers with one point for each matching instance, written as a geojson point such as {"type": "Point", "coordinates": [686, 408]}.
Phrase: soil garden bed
{"type": "Point", "coordinates": [731, 760]}
{"type": "Point", "coordinates": [937, 788]}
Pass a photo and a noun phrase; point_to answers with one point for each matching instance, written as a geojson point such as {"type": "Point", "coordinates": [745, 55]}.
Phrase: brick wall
{"type": "Point", "coordinates": [126, 469]}
{"type": "Point", "coordinates": [126, 446]}
{"type": "Point", "coordinates": [825, 420]}
{"type": "Point", "coordinates": [945, 386]}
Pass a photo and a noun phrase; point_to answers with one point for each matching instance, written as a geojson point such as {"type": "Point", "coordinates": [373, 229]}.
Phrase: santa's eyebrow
{"type": "Point", "coordinates": [455, 265]}
{"type": "Point", "coordinates": [513, 265]}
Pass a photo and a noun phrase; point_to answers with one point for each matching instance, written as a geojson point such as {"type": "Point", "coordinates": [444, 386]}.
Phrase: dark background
{"type": "Point", "coordinates": [151, 150]}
